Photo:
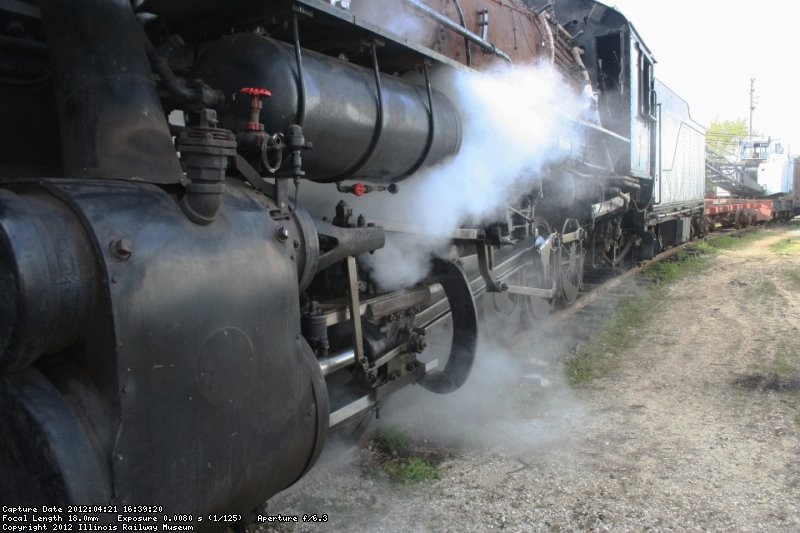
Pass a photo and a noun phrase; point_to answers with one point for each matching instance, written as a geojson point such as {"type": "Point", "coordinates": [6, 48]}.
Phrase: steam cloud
{"type": "Point", "coordinates": [514, 123]}
{"type": "Point", "coordinates": [515, 400]}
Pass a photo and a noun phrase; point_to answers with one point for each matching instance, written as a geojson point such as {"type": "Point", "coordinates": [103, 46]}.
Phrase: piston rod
{"type": "Point", "coordinates": [329, 365]}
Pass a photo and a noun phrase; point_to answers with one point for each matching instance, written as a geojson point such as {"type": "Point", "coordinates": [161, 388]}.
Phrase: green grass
{"type": "Point", "coordinates": [401, 459]}
{"type": "Point", "coordinates": [597, 357]}
{"type": "Point", "coordinates": [392, 440]}
{"type": "Point", "coordinates": [737, 242]}
{"type": "Point", "coordinates": [684, 264]}
{"type": "Point", "coordinates": [705, 247]}
{"type": "Point", "coordinates": [790, 246]}
{"type": "Point", "coordinates": [411, 470]}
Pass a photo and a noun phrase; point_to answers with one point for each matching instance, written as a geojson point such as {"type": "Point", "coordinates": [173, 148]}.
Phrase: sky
{"type": "Point", "coordinates": [708, 50]}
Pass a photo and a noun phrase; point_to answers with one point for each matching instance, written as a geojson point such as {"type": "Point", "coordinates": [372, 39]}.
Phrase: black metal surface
{"type": "Point", "coordinates": [222, 352]}
{"type": "Point", "coordinates": [465, 329]}
{"type": "Point", "coordinates": [347, 242]}
{"type": "Point", "coordinates": [112, 124]}
{"type": "Point", "coordinates": [215, 402]}
{"type": "Point", "coordinates": [376, 133]}
{"type": "Point", "coordinates": [301, 78]}
{"type": "Point", "coordinates": [340, 97]}
{"type": "Point", "coordinates": [29, 137]}
{"type": "Point", "coordinates": [46, 457]}
{"type": "Point", "coordinates": [48, 282]}
{"type": "Point", "coordinates": [205, 150]}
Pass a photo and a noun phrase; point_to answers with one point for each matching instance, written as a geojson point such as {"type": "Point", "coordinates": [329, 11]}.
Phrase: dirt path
{"type": "Point", "coordinates": [697, 427]}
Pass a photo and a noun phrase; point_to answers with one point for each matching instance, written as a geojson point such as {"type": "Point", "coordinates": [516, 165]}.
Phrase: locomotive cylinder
{"type": "Point", "coordinates": [48, 283]}
{"type": "Point", "coordinates": [150, 358]}
{"type": "Point", "coordinates": [359, 129]}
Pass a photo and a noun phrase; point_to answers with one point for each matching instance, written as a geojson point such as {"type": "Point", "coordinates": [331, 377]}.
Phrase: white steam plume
{"type": "Point", "coordinates": [514, 123]}
{"type": "Point", "coordinates": [515, 399]}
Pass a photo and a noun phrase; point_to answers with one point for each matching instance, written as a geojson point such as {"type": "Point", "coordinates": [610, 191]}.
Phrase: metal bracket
{"type": "Point", "coordinates": [355, 313]}
{"type": "Point", "coordinates": [577, 235]}
{"type": "Point", "coordinates": [486, 266]}
{"type": "Point", "coordinates": [382, 392]}
{"type": "Point", "coordinates": [531, 291]}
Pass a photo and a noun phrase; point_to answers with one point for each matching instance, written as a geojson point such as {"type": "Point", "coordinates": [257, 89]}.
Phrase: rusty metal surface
{"type": "Point", "coordinates": [513, 28]}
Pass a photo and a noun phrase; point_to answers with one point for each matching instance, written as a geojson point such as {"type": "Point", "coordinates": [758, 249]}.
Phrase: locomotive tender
{"type": "Point", "coordinates": [177, 328]}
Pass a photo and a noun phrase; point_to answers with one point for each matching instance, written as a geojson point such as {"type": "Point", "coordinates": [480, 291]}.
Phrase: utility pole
{"type": "Point", "coordinates": [752, 103]}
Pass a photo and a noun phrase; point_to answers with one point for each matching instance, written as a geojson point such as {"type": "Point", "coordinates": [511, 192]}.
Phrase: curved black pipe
{"type": "Point", "coordinates": [465, 329]}
{"type": "Point", "coordinates": [464, 24]}
{"type": "Point", "coordinates": [431, 128]}
{"type": "Point", "coordinates": [301, 81]}
{"type": "Point", "coordinates": [376, 133]}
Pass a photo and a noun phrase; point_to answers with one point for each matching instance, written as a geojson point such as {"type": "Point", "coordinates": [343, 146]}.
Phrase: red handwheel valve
{"type": "Point", "coordinates": [255, 94]}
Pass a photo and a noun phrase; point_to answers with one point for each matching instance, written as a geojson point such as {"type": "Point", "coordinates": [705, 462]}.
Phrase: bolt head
{"type": "Point", "coordinates": [282, 234]}
{"type": "Point", "coordinates": [121, 249]}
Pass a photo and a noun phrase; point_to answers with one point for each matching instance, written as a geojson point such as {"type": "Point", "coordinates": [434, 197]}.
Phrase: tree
{"type": "Point", "coordinates": [723, 136]}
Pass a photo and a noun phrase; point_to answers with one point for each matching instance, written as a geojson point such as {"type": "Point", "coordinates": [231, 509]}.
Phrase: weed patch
{"type": "Point", "coordinates": [704, 247]}
{"type": "Point", "coordinates": [403, 458]}
{"type": "Point", "coordinates": [597, 357]}
{"type": "Point", "coordinates": [731, 242]}
{"type": "Point", "coordinates": [681, 265]}
{"type": "Point", "coordinates": [392, 440]}
{"type": "Point", "coordinates": [411, 470]}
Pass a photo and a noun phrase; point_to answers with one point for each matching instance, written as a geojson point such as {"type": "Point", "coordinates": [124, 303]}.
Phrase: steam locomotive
{"type": "Point", "coordinates": [178, 326]}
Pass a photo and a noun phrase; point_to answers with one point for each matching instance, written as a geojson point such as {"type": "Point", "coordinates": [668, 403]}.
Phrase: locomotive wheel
{"type": "Point", "coordinates": [517, 310]}
{"type": "Point", "coordinates": [570, 266]}
{"type": "Point", "coordinates": [464, 339]}
{"type": "Point", "coordinates": [533, 276]}
{"type": "Point", "coordinates": [697, 228]}
{"type": "Point", "coordinates": [740, 219]}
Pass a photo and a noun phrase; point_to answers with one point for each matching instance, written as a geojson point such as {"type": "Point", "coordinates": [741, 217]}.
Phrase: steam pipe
{"type": "Point", "coordinates": [449, 24]}
{"type": "Point", "coordinates": [199, 94]}
{"type": "Point", "coordinates": [464, 25]}
{"type": "Point", "coordinates": [550, 39]}
{"type": "Point", "coordinates": [301, 80]}
{"type": "Point", "coordinates": [431, 126]}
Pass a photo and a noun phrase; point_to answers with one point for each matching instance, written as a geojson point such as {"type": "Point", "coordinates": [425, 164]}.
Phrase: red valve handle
{"type": "Point", "coordinates": [255, 91]}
